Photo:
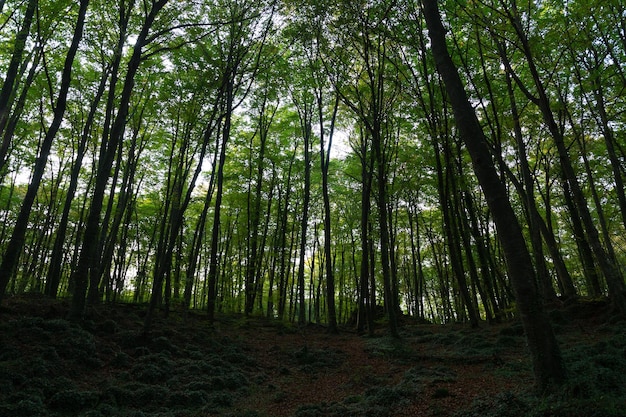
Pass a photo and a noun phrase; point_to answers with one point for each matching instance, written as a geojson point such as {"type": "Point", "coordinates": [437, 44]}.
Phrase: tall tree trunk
{"type": "Point", "coordinates": [305, 122]}
{"type": "Point", "coordinates": [11, 76]}
{"type": "Point", "coordinates": [444, 183]}
{"type": "Point", "coordinates": [610, 271]}
{"type": "Point", "coordinates": [225, 131]}
{"type": "Point", "coordinates": [198, 236]}
{"type": "Point", "coordinates": [254, 260]}
{"type": "Point", "coordinates": [547, 362]}
{"type": "Point", "coordinates": [325, 163]}
{"type": "Point", "coordinates": [80, 275]}
{"type": "Point", "coordinates": [465, 233]}
{"type": "Point", "coordinates": [383, 214]}
{"type": "Point", "coordinates": [110, 240]}
{"type": "Point", "coordinates": [483, 257]}
{"type": "Point", "coordinates": [533, 216]}
{"type": "Point", "coordinates": [18, 107]}
{"type": "Point", "coordinates": [365, 305]}
{"type": "Point", "coordinates": [609, 140]}
{"type": "Point", "coordinates": [16, 243]}
{"type": "Point", "coordinates": [56, 258]}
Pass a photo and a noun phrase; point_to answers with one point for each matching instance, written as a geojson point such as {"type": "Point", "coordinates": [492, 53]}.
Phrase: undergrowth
{"type": "Point", "coordinates": [51, 367]}
{"type": "Point", "coordinates": [69, 372]}
{"type": "Point", "coordinates": [382, 400]}
{"type": "Point", "coordinates": [595, 386]}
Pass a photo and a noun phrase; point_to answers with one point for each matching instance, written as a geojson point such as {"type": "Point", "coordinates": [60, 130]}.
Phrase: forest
{"type": "Point", "coordinates": [353, 165]}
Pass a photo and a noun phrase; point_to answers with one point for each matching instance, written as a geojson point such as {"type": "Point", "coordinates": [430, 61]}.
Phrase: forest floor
{"type": "Point", "coordinates": [251, 366]}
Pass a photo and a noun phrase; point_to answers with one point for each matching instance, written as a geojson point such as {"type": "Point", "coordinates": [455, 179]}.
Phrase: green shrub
{"type": "Point", "coordinates": [27, 407]}
{"type": "Point", "coordinates": [418, 375]}
{"type": "Point", "coordinates": [149, 373]}
{"type": "Point", "coordinates": [187, 399]}
{"type": "Point", "coordinates": [500, 405]}
{"type": "Point", "coordinates": [107, 327]}
{"type": "Point", "coordinates": [507, 341]}
{"type": "Point", "coordinates": [121, 360]}
{"type": "Point", "coordinates": [73, 400]}
{"type": "Point", "coordinates": [441, 393]}
{"type": "Point", "coordinates": [220, 399]}
{"type": "Point", "coordinates": [162, 344]}
{"type": "Point", "coordinates": [384, 396]}
{"type": "Point", "coordinates": [515, 329]}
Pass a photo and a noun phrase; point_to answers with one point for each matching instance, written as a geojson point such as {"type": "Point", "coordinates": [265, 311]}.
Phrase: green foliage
{"type": "Point", "coordinates": [149, 375]}
{"type": "Point", "coordinates": [24, 407]}
{"type": "Point", "coordinates": [501, 405]}
{"type": "Point", "coordinates": [390, 348]}
{"type": "Point", "coordinates": [315, 360]}
{"type": "Point", "coordinates": [68, 401]}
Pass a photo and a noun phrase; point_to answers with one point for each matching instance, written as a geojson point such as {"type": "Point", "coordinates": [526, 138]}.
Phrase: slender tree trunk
{"type": "Point", "coordinates": [283, 251]}
{"type": "Point", "coordinates": [110, 240]}
{"type": "Point", "coordinates": [80, 275]}
{"type": "Point", "coordinates": [604, 229]}
{"type": "Point", "coordinates": [198, 236]}
{"type": "Point", "coordinates": [254, 210]}
{"type": "Point", "coordinates": [16, 243]}
{"type": "Point", "coordinates": [483, 257]}
{"type": "Point", "coordinates": [610, 271]}
{"type": "Point", "coordinates": [444, 182]}
{"type": "Point", "coordinates": [17, 110]}
{"type": "Point", "coordinates": [56, 258]}
{"type": "Point", "coordinates": [304, 220]}
{"type": "Point", "coordinates": [465, 233]}
{"type": "Point", "coordinates": [230, 73]}
{"type": "Point", "coordinates": [366, 306]}
{"type": "Point", "coordinates": [325, 162]}
{"type": "Point", "coordinates": [11, 76]}
{"type": "Point", "coordinates": [547, 363]}
{"type": "Point", "coordinates": [383, 213]}
{"type": "Point", "coordinates": [533, 221]}
{"type": "Point", "coordinates": [609, 140]}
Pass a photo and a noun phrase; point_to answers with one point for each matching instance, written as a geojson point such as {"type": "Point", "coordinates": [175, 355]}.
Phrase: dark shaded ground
{"type": "Point", "coordinates": [256, 367]}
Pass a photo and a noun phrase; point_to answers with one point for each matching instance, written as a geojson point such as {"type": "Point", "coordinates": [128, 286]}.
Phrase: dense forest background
{"type": "Point", "coordinates": [301, 160]}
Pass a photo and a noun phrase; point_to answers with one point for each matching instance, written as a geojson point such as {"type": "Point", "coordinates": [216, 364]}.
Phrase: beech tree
{"type": "Point", "coordinates": [547, 362]}
{"type": "Point", "coordinates": [311, 161]}
{"type": "Point", "coordinates": [16, 243]}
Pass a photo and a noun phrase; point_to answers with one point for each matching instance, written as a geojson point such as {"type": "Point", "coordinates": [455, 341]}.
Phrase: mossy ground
{"type": "Point", "coordinates": [250, 366]}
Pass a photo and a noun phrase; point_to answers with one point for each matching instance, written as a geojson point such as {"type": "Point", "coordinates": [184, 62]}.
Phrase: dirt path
{"type": "Point", "coordinates": [309, 366]}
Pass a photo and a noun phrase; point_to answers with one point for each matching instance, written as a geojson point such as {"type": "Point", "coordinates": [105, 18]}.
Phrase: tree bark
{"type": "Point", "coordinates": [546, 357]}
{"type": "Point", "coordinates": [305, 122]}
{"type": "Point", "coordinates": [56, 258]}
{"type": "Point", "coordinates": [11, 78]}
{"type": "Point", "coordinates": [610, 271]}
{"type": "Point", "coordinates": [16, 243]}
{"type": "Point", "coordinates": [325, 163]}
{"type": "Point", "coordinates": [80, 275]}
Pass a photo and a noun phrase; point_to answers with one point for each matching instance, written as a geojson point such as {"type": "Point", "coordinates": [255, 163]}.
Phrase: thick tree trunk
{"type": "Point", "coordinates": [547, 363]}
